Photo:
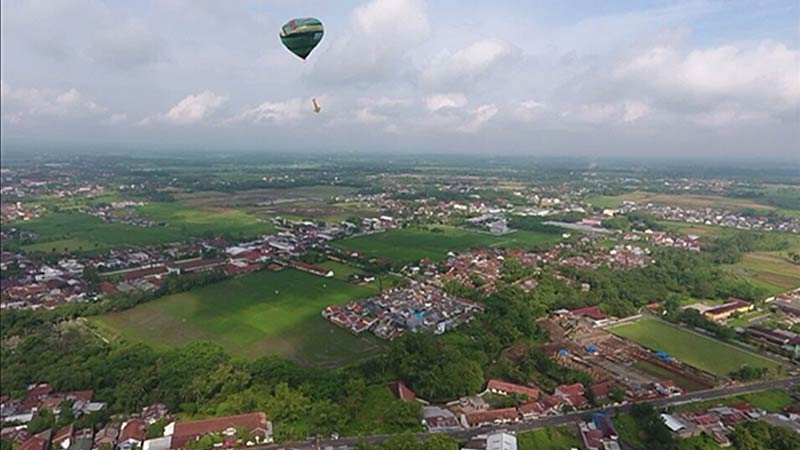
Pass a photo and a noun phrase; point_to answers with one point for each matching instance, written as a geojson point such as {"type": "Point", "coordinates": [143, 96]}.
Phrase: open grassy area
{"type": "Point", "coordinates": [257, 314]}
{"type": "Point", "coordinates": [629, 430]}
{"type": "Point", "coordinates": [198, 221]}
{"type": "Point", "coordinates": [549, 438]}
{"type": "Point", "coordinates": [415, 243]}
{"type": "Point", "coordinates": [772, 400]}
{"type": "Point", "coordinates": [683, 200]}
{"type": "Point", "coordinates": [77, 231]}
{"type": "Point", "coordinates": [698, 351]}
{"type": "Point", "coordinates": [769, 270]}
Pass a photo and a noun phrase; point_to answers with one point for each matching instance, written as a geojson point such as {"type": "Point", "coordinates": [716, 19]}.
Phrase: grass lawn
{"type": "Point", "coordinates": [415, 243]}
{"type": "Point", "coordinates": [701, 352]}
{"type": "Point", "coordinates": [196, 221]}
{"type": "Point", "coordinates": [702, 442]}
{"type": "Point", "coordinates": [683, 200]}
{"type": "Point", "coordinates": [772, 400]}
{"type": "Point", "coordinates": [264, 313]}
{"type": "Point", "coordinates": [629, 430]}
{"type": "Point", "coordinates": [549, 438]}
{"type": "Point", "coordinates": [341, 271]}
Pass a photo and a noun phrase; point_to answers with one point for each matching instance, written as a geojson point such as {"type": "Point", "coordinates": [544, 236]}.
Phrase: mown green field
{"type": "Point", "coordinates": [698, 351]}
{"type": "Point", "coordinates": [264, 313]}
{"type": "Point", "coordinates": [772, 400]}
{"type": "Point", "coordinates": [683, 200]}
{"type": "Point", "coordinates": [549, 438]}
{"type": "Point", "coordinates": [196, 221]}
{"type": "Point", "coordinates": [415, 243]}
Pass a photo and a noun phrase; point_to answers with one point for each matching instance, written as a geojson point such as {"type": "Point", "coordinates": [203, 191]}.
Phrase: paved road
{"type": "Point", "coordinates": [565, 419]}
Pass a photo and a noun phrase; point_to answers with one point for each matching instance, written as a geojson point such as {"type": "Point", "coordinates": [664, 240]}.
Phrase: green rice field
{"type": "Point", "coordinates": [434, 242]}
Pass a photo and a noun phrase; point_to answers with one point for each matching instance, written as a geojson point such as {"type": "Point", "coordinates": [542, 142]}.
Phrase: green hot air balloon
{"type": "Point", "coordinates": [301, 35]}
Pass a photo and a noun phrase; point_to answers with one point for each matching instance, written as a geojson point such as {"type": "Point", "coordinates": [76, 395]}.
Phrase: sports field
{"type": "Point", "coordinates": [698, 351]}
{"type": "Point", "coordinates": [264, 313]}
{"type": "Point", "coordinates": [434, 242]}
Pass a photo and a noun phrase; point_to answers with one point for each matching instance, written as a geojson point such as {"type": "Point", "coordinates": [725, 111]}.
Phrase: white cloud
{"type": "Point", "coordinates": [529, 110]}
{"type": "Point", "coordinates": [731, 83]}
{"type": "Point", "coordinates": [288, 110]}
{"type": "Point", "coordinates": [442, 101]}
{"type": "Point", "coordinates": [192, 109]}
{"type": "Point", "coordinates": [467, 64]}
{"type": "Point", "coordinates": [478, 117]}
{"type": "Point", "coordinates": [19, 103]}
{"type": "Point", "coordinates": [380, 34]}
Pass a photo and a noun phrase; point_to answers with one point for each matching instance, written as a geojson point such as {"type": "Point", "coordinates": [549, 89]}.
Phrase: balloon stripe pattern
{"type": "Point", "coordinates": [301, 35]}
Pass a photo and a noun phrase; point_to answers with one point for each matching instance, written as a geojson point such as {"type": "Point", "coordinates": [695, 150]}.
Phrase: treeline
{"type": "Point", "coordinates": [635, 220]}
{"type": "Point", "coordinates": [730, 247]}
{"type": "Point", "coordinates": [200, 379]}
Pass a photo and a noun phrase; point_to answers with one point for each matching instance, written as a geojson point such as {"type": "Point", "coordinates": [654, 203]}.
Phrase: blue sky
{"type": "Point", "coordinates": [506, 77]}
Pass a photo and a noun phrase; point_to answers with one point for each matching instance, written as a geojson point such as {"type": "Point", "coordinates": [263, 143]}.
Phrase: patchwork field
{"type": "Point", "coordinates": [698, 351]}
{"type": "Point", "coordinates": [77, 231]}
{"type": "Point", "coordinates": [264, 313]}
{"type": "Point", "coordinates": [252, 197]}
{"type": "Point", "coordinates": [412, 244]}
{"type": "Point", "coordinates": [769, 270]}
{"type": "Point", "coordinates": [71, 231]}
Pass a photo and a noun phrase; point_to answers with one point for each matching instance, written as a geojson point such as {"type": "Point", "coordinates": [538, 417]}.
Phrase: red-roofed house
{"type": "Point", "coordinates": [257, 425]}
{"type": "Point", "coordinates": [133, 434]}
{"type": "Point", "coordinates": [505, 388]}
{"type": "Point", "coordinates": [401, 391]}
{"type": "Point", "coordinates": [568, 390]}
{"type": "Point", "coordinates": [531, 410]}
{"type": "Point", "coordinates": [63, 437]}
{"type": "Point", "coordinates": [601, 390]}
{"type": "Point", "coordinates": [34, 443]}
{"type": "Point", "coordinates": [591, 312]}
{"type": "Point", "coordinates": [490, 417]}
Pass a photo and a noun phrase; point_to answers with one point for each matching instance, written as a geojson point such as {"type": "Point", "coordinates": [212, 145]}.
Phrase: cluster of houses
{"type": "Point", "coordinates": [620, 257]}
{"type": "Point", "coordinates": [121, 212]}
{"type": "Point", "coordinates": [716, 217]}
{"type": "Point", "coordinates": [719, 422]}
{"type": "Point", "coordinates": [17, 211]}
{"type": "Point", "coordinates": [599, 433]}
{"type": "Point", "coordinates": [475, 411]}
{"type": "Point", "coordinates": [689, 242]}
{"type": "Point", "coordinates": [40, 284]}
{"type": "Point", "coordinates": [418, 307]}
{"type": "Point", "coordinates": [133, 432]}
{"type": "Point", "coordinates": [41, 396]}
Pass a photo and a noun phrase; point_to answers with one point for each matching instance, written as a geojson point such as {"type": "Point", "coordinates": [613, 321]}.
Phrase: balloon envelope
{"type": "Point", "coordinates": [301, 35]}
